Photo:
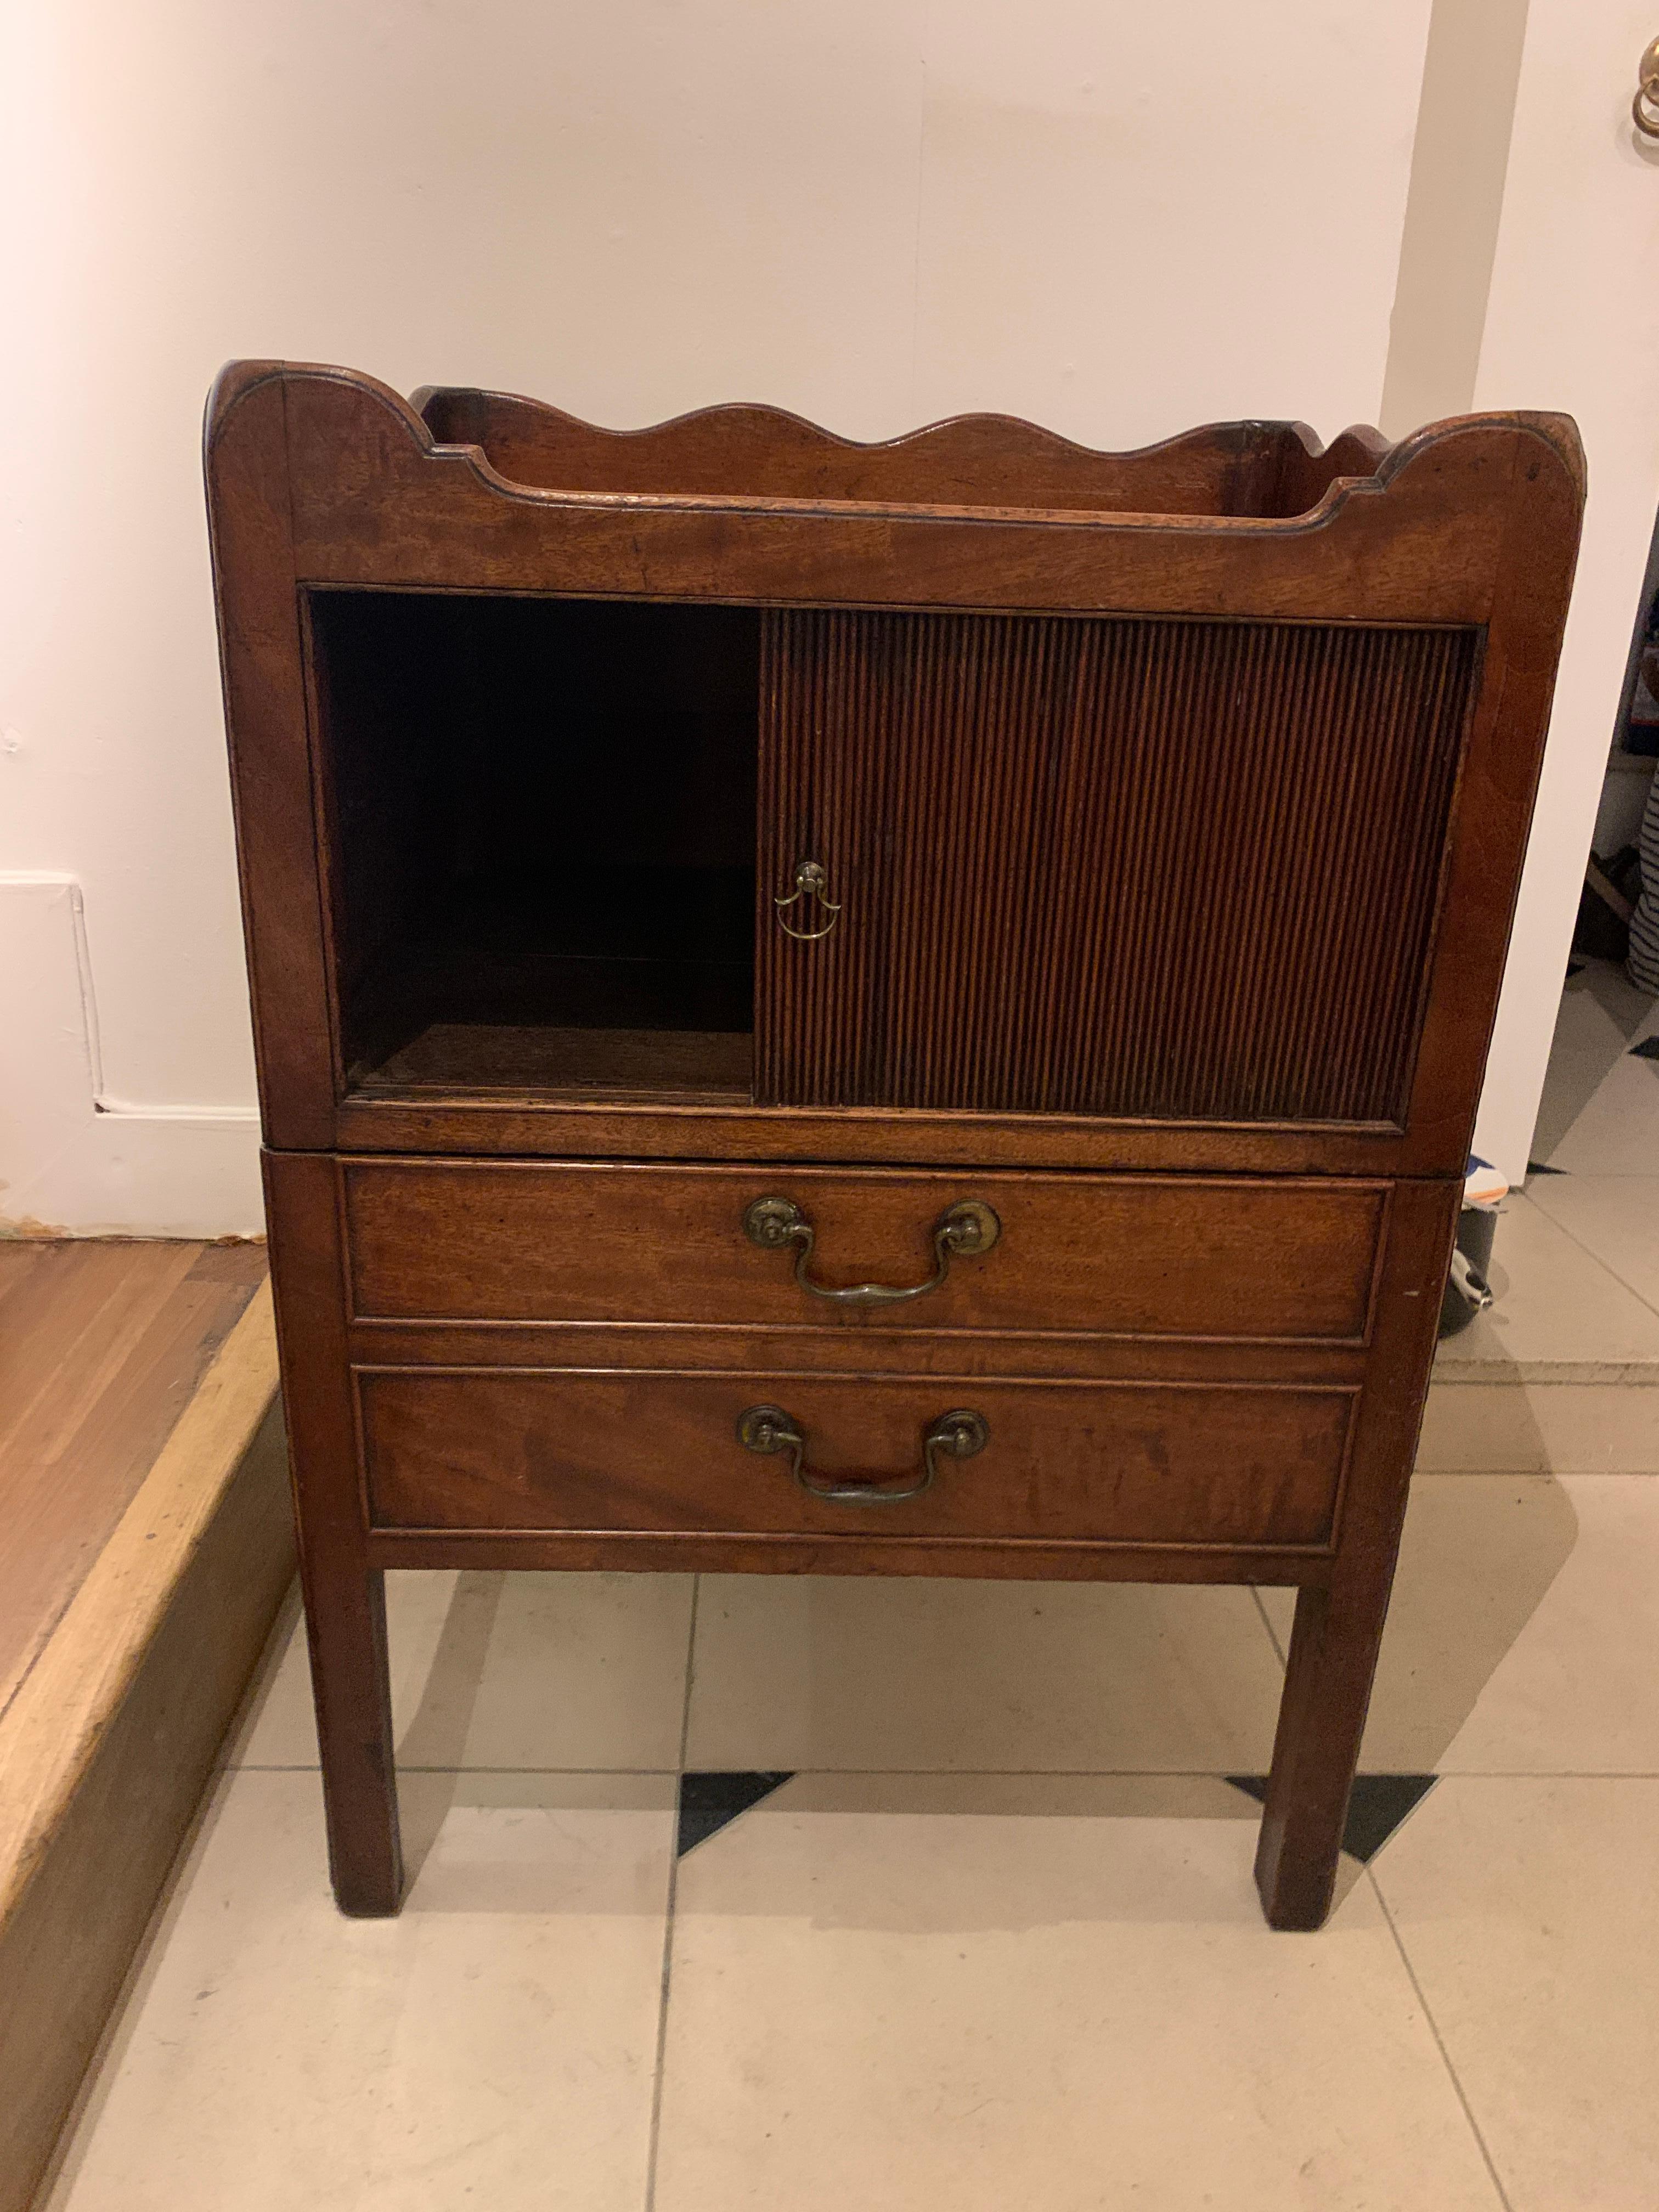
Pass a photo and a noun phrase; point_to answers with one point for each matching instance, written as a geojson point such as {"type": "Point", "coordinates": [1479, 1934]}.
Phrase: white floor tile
{"type": "Point", "coordinates": [1507, 1425]}
{"type": "Point", "coordinates": [914, 1994]}
{"type": "Point", "coordinates": [1601, 1016]}
{"type": "Point", "coordinates": [518, 1670]}
{"type": "Point", "coordinates": [1616, 1132]}
{"type": "Point", "coordinates": [494, 2046]}
{"type": "Point", "coordinates": [853, 1673]}
{"type": "Point", "coordinates": [1614, 1218]}
{"type": "Point", "coordinates": [1523, 1633]}
{"type": "Point", "coordinates": [1560, 1314]}
{"type": "Point", "coordinates": [1529, 1911]}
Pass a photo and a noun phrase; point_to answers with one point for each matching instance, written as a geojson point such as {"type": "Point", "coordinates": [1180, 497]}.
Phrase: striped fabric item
{"type": "Point", "coordinates": [1642, 964]}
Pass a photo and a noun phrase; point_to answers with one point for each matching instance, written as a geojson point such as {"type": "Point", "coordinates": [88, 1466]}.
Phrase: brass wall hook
{"type": "Point", "coordinates": [1645, 108]}
{"type": "Point", "coordinates": [811, 883]}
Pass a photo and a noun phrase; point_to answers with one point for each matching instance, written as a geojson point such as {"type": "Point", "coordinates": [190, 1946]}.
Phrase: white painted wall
{"type": "Point", "coordinates": [180, 1171]}
{"type": "Point", "coordinates": [1470, 73]}
{"type": "Point", "coordinates": [1121, 219]}
{"type": "Point", "coordinates": [1573, 322]}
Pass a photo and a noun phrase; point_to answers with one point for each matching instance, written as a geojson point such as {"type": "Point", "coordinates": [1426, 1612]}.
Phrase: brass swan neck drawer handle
{"type": "Point", "coordinates": [958, 1435]}
{"type": "Point", "coordinates": [812, 882]}
{"type": "Point", "coordinates": [960, 1233]}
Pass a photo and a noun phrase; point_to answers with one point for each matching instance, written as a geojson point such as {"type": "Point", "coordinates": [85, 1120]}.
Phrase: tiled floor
{"type": "Point", "coordinates": [986, 1931]}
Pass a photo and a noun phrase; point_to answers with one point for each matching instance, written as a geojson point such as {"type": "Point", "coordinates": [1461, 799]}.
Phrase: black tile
{"type": "Point", "coordinates": [1648, 1049]}
{"type": "Point", "coordinates": [1380, 1802]}
{"type": "Point", "coordinates": [709, 1802]}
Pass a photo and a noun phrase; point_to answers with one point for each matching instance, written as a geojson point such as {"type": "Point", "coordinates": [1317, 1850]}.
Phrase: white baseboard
{"type": "Point", "coordinates": [74, 1162]}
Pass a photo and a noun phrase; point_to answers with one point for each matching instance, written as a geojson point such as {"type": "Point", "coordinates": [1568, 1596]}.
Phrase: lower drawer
{"type": "Point", "coordinates": [1211, 1464]}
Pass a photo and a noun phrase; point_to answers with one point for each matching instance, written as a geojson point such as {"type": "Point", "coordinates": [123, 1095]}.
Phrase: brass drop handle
{"type": "Point", "coordinates": [961, 1232]}
{"type": "Point", "coordinates": [767, 1429]}
{"type": "Point", "coordinates": [811, 883]}
{"type": "Point", "coordinates": [1645, 108]}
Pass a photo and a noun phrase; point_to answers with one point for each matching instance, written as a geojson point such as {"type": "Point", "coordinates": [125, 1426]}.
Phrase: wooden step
{"type": "Point", "coordinates": [119, 1710]}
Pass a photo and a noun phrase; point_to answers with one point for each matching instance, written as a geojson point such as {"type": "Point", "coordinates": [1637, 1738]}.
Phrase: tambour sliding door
{"type": "Point", "coordinates": [1139, 867]}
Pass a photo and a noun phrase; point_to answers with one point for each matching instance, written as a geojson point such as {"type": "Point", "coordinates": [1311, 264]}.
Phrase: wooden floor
{"type": "Point", "coordinates": [101, 1345]}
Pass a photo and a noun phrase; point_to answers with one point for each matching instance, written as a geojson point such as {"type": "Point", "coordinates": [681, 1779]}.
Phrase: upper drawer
{"type": "Point", "coordinates": [1183, 1256]}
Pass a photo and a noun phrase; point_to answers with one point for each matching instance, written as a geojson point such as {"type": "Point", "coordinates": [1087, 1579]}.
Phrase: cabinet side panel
{"type": "Point", "coordinates": [1161, 869]}
{"type": "Point", "coordinates": [264, 692]}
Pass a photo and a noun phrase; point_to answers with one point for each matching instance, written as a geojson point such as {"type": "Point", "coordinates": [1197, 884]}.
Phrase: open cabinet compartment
{"type": "Point", "coordinates": [546, 817]}
{"type": "Point", "coordinates": [541, 832]}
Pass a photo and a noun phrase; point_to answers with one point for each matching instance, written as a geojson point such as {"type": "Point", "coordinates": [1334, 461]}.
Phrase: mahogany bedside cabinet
{"type": "Point", "coordinates": [908, 1009]}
